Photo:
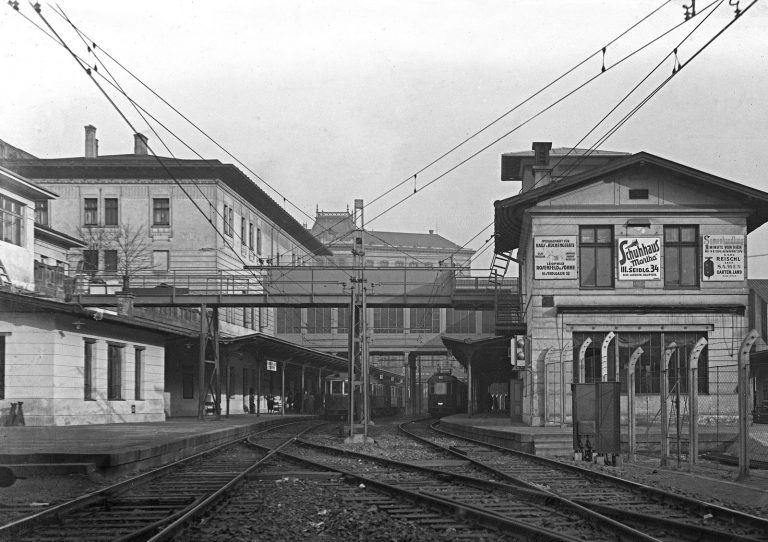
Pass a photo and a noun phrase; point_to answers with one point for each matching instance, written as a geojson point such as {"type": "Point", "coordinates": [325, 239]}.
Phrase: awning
{"type": "Point", "coordinates": [488, 355]}
{"type": "Point", "coordinates": [272, 348]}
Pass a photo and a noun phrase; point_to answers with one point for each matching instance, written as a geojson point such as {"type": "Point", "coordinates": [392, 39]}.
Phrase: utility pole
{"type": "Point", "coordinates": [358, 341]}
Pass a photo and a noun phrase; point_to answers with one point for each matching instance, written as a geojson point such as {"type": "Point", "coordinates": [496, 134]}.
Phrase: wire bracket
{"type": "Point", "coordinates": [690, 11]}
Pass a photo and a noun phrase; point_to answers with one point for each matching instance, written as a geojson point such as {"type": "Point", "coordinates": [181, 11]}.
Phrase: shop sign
{"type": "Point", "coordinates": [639, 258]}
{"type": "Point", "coordinates": [723, 257]}
{"type": "Point", "coordinates": [555, 257]}
{"type": "Point", "coordinates": [271, 365]}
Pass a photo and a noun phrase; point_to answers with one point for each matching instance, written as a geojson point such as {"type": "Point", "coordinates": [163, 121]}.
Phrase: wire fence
{"type": "Point", "coordinates": [716, 414]}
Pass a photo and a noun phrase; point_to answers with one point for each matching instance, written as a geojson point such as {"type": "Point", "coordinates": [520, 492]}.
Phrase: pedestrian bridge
{"type": "Point", "coordinates": [316, 286]}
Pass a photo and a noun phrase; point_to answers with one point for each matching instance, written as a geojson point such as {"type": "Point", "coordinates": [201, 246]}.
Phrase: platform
{"type": "Point", "coordinates": [119, 448]}
{"type": "Point", "coordinates": [499, 430]}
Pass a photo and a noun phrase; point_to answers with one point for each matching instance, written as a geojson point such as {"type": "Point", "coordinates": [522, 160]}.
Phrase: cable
{"type": "Point", "coordinates": [529, 119]}
{"type": "Point", "coordinates": [626, 96]}
{"type": "Point", "coordinates": [519, 104]}
{"type": "Point", "coordinates": [175, 110]}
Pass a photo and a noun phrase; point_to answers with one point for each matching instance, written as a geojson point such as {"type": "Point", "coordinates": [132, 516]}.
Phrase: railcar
{"type": "Point", "coordinates": [386, 394]}
{"type": "Point", "coordinates": [446, 395]}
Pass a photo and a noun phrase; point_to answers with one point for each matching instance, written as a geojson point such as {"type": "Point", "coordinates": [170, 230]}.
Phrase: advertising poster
{"type": "Point", "coordinates": [555, 257]}
{"type": "Point", "coordinates": [639, 258]}
{"type": "Point", "coordinates": [723, 257]}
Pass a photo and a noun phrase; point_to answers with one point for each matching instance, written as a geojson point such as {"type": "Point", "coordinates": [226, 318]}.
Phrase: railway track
{"type": "Point", "coordinates": [156, 504]}
{"type": "Point", "coordinates": [452, 495]}
{"type": "Point", "coordinates": [661, 514]}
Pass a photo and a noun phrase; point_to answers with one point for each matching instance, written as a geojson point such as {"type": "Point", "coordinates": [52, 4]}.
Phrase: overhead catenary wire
{"type": "Point", "coordinates": [672, 53]}
{"type": "Point", "coordinates": [85, 66]}
{"type": "Point", "coordinates": [676, 70]}
{"type": "Point", "coordinates": [445, 154]}
{"type": "Point", "coordinates": [529, 119]}
{"type": "Point", "coordinates": [508, 112]}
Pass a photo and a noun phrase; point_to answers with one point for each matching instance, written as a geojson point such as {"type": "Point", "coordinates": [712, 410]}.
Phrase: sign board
{"type": "Point", "coordinates": [723, 257]}
{"type": "Point", "coordinates": [555, 257]}
{"type": "Point", "coordinates": [271, 365]}
{"type": "Point", "coordinates": [639, 258]}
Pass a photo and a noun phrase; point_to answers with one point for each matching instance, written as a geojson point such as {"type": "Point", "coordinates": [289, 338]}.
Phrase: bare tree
{"type": "Point", "coordinates": [129, 243]}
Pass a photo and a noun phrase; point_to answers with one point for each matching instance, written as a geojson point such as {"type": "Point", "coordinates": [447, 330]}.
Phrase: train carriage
{"type": "Point", "coordinates": [386, 394]}
{"type": "Point", "coordinates": [446, 395]}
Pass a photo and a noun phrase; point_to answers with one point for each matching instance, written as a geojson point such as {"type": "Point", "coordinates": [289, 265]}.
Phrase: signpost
{"type": "Point", "coordinates": [555, 257]}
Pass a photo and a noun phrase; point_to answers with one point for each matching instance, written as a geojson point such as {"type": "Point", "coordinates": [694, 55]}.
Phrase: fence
{"type": "Point", "coordinates": [714, 405]}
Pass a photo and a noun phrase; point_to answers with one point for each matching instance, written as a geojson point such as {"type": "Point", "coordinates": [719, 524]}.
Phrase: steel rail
{"type": "Point", "coordinates": [528, 492]}
{"type": "Point", "coordinates": [57, 513]}
{"type": "Point", "coordinates": [728, 515]}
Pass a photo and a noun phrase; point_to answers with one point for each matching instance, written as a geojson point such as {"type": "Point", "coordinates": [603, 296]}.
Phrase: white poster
{"type": "Point", "coordinates": [639, 258]}
{"type": "Point", "coordinates": [555, 257]}
{"type": "Point", "coordinates": [723, 257]}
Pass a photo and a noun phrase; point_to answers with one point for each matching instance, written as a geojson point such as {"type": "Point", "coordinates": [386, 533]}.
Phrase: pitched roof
{"type": "Point", "coordinates": [509, 212]}
{"type": "Point", "coordinates": [339, 225]}
{"type": "Point", "coordinates": [131, 166]}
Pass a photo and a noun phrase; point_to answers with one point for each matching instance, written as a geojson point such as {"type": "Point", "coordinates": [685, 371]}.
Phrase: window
{"type": "Point", "coordinates": [91, 212]}
{"type": "Point", "coordinates": [90, 261]}
{"type": "Point", "coordinates": [488, 321]}
{"type": "Point", "coordinates": [242, 231]}
{"type": "Point", "coordinates": [459, 321]}
{"type": "Point", "coordinates": [425, 320]}
{"type": "Point", "coordinates": [319, 320]}
{"type": "Point", "coordinates": [596, 256]}
{"type": "Point", "coordinates": [258, 241]}
{"type": "Point", "coordinates": [88, 370]}
{"type": "Point", "coordinates": [250, 236]}
{"type": "Point", "coordinates": [114, 372]}
{"type": "Point", "coordinates": [41, 212]}
{"type": "Point", "coordinates": [288, 320]}
{"type": "Point", "coordinates": [638, 193]}
{"type": "Point", "coordinates": [229, 220]}
{"type": "Point", "coordinates": [681, 256]}
{"type": "Point", "coordinates": [342, 320]}
{"type": "Point", "coordinates": [110, 212]}
{"type": "Point", "coordinates": [388, 320]}
{"type": "Point", "coordinates": [110, 261]}
{"type": "Point", "coordinates": [160, 260]}
{"type": "Point", "coordinates": [187, 382]}
{"type": "Point", "coordinates": [161, 212]}
{"type": "Point", "coordinates": [2, 366]}
{"type": "Point", "coordinates": [138, 368]}
{"type": "Point", "coordinates": [11, 220]}
{"type": "Point", "coordinates": [648, 366]}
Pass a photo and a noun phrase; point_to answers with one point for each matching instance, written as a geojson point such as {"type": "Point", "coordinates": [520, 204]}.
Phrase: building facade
{"type": "Point", "coordinates": [406, 341]}
{"type": "Point", "coordinates": [634, 252]}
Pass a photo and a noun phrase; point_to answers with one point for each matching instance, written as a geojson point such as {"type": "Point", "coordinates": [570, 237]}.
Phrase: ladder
{"type": "Point", "coordinates": [499, 266]}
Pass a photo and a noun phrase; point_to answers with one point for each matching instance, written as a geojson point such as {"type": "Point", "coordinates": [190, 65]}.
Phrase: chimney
{"type": "Point", "coordinates": [431, 232]}
{"type": "Point", "coordinates": [140, 144]}
{"type": "Point", "coordinates": [91, 143]}
{"type": "Point", "coordinates": [542, 171]}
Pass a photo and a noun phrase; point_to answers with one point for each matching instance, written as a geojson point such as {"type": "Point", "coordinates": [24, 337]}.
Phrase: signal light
{"type": "Point", "coordinates": [517, 351]}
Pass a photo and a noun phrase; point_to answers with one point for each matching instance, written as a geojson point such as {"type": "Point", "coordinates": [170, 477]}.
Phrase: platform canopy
{"type": "Point", "coordinates": [489, 355]}
{"type": "Point", "coordinates": [275, 349]}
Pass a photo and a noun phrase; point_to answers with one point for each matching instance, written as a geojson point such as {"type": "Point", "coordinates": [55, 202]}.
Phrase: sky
{"type": "Point", "coordinates": [337, 100]}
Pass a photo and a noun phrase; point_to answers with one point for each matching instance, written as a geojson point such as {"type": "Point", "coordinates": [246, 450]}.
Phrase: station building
{"type": "Point", "coordinates": [618, 251]}
{"type": "Point", "coordinates": [102, 223]}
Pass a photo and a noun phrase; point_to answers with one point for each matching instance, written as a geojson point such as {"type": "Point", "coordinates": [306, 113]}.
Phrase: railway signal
{"type": "Point", "coordinates": [517, 351]}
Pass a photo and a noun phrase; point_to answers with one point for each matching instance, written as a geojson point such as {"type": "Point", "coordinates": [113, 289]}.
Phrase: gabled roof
{"type": "Point", "coordinates": [132, 166]}
{"type": "Point", "coordinates": [509, 212]}
{"type": "Point", "coordinates": [338, 226]}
